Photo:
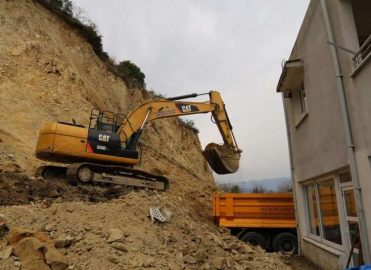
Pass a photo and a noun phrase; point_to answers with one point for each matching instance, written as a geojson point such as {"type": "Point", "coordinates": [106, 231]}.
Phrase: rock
{"type": "Point", "coordinates": [58, 200]}
{"type": "Point", "coordinates": [119, 246]}
{"type": "Point", "coordinates": [49, 227]}
{"type": "Point", "coordinates": [234, 246]}
{"type": "Point", "coordinates": [55, 259]}
{"type": "Point", "coordinates": [70, 208]}
{"type": "Point", "coordinates": [219, 263]}
{"type": "Point", "coordinates": [5, 254]}
{"type": "Point", "coordinates": [36, 251]}
{"type": "Point", "coordinates": [238, 267]}
{"type": "Point", "coordinates": [114, 259]}
{"type": "Point", "coordinates": [64, 241]}
{"type": "Point", "coordinates": [17, 264]}
{"type": "Point", "coordinates": [206, 266]}
{"type": "Point", "coordinates": [26, 250]}
{"type": "Point", "coordinates": [115, 235]}
{"type": "Point", "coordinates": [6, 221]}
{"type": "Point", "coordinates": [150, 262]}
{"type": "Point", "coordinates": [126, 232]}
{"type": "Point", "coordinates": [246, 249]}
{"type": "Point", "coordinates": [242, 257]}
{"type": "Point", "coordinates": [201, 255]}
{"type": "Point", "coordinates": [217, 240]}
{"type": "Point", "coordinates": [189, 259]}
{"type": "Point", "coordinates": [18, 50]}
{"type": "Point", "coordinates": [53, 194]}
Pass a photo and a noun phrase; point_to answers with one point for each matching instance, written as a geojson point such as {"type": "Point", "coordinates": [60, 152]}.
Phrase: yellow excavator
{"type": "Point", "coordinates": [107, 150]}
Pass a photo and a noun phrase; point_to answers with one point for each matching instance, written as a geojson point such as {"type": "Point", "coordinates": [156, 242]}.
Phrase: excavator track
{"type": "Point", "coordinates": [111, 174]}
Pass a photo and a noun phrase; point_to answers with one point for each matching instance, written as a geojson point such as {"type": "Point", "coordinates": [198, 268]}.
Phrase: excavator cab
{"type": "Point", "coordinates": [102, 121]}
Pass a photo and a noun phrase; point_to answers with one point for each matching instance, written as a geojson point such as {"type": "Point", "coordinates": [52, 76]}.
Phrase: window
{"type": "Point", "coordinates": [361, 13]}
{"type": "Point", "coordinates": [303, 99]}
{"type": "Point", "coordinates": [322, 211]}
{"type": "Point", "coordinates": [329, 211]}
{"type": "Point", "coordinates": [362, 18]}
{"type": "Point", "coordinates": [312, 209]}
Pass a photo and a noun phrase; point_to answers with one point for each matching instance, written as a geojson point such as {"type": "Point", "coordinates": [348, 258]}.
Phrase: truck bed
{"type": "Point", "coordinates": [248, 210]}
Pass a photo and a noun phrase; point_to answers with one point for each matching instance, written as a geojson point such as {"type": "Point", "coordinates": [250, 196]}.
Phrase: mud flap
{"type": "Point", "coordinates": [222, 159]}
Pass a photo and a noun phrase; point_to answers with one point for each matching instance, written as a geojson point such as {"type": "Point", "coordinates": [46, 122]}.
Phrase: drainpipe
{"type": "Point", "coordinates": [292, 174]}
{"type": "Point", "coordinates": [349, 139]}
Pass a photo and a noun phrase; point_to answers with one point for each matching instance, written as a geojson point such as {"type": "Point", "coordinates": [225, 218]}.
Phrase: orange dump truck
{"type": "Point", "coordinates": [267, 220]}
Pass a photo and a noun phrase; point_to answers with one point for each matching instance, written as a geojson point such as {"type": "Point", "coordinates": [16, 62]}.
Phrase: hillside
{"type": "Point", "coordinates": [49, 73]}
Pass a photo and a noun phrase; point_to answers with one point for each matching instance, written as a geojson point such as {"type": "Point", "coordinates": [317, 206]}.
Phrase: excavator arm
{"type": "Point", "coordinates": [222, 159]}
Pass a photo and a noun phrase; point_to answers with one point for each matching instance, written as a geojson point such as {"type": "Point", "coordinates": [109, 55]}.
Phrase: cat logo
{"type": "Point", "coordinates": [186, 108]}
{"type": "Point", "coordinates": [103, 138]}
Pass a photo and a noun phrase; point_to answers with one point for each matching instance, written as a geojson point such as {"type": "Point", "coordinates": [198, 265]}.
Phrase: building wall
{"type": "Point", "coordinates": [318, 142]}
{"type": "Point", "coordinates": [321, 134]}
{"type": "Point", "coordinates": [316, 255]}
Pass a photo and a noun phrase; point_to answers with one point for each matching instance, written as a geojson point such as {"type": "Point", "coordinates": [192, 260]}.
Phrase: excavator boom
{"type": "Point", "coordinates": [222, 159]}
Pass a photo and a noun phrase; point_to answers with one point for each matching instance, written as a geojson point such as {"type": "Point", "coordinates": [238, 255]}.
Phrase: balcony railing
{"type": "Point", "coordinates": [364, 53]}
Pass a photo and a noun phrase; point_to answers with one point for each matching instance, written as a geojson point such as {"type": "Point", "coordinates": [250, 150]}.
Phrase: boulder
{"type": "Point", "coordinates": [115, 235]}
{"type": "Point", "coordinates": [29, 251]}
{"type": "Point", "coordinates": [36, 251]}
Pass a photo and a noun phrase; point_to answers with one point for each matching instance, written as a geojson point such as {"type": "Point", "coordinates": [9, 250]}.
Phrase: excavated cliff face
{"type": "Point", "coordinates": [49, 73]}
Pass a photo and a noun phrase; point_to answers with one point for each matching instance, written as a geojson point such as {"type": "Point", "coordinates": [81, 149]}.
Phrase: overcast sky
{"type": "Point", "coordinates": [235, 47]}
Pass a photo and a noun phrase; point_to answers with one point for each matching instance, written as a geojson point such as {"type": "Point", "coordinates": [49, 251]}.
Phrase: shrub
{"type": "Point", "coordinates": [132, 73]}
{"type": "Point", "coordinates": [190, 124]}
{"type": "Point", "coordinates": [229, 188]}
{"type": "Point", "coordinates": [129, 72]}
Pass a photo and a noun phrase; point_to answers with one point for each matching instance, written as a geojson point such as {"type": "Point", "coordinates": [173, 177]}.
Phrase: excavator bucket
{"type": "Point", "coordinates": [222, 159]}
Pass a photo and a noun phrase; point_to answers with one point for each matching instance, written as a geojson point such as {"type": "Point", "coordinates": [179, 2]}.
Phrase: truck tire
{"type": "Point", "coordinates": [255, 239]}
{"type": "Point", "coordinates": [287, 243]}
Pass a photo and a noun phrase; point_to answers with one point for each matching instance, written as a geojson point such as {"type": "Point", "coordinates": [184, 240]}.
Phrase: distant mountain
{"type": "Point", "coordinates": [269, 184]}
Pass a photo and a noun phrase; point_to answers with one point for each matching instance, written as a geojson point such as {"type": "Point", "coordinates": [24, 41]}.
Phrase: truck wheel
{"type": "Point", "coordinates": [287, 243]}
{"type": "Point", "coordinates": [255, 239]}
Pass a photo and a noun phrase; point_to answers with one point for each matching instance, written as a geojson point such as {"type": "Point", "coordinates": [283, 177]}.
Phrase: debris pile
{"type": "Point", "coordinates": [119, 234]}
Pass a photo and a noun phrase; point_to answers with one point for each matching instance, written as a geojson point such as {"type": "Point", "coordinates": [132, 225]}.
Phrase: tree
{"type": "Point", "coordinates": [132, 74]}
{"type": "Point", "coordinates": [235, 189]}
{"type": "Point", "coordinates": [258, 188]}
{"type": "Point", "coordinates": [229, 188]}
{"type": "Point", "coordinates": [285, 186]}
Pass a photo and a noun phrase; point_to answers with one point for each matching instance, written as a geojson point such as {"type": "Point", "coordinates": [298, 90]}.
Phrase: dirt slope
{"type": "Point", "coordinates": [49, 73]}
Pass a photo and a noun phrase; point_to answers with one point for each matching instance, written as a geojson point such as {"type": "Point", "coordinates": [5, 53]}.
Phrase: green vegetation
{"type": "Point", "coordinates": [229, 188]}
{"type": "Point", "coordinates": [190, 124]}
{"type": "Point", "coordinates": [133, 74]}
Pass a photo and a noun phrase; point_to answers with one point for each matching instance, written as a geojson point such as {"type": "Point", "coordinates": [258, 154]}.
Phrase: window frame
{"type": "Point", "coordinates": [303, 99]}
{"type": "Point", "coordinates": [320, 238]}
